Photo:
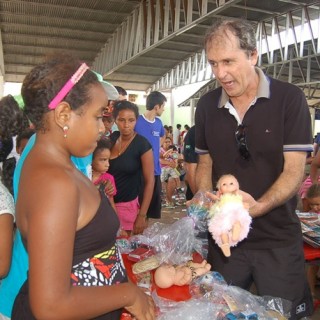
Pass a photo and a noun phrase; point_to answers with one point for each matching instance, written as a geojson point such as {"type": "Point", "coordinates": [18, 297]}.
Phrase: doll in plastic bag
{"type": "Point", "coordinates": [168, 275]}
{"type": "Point", "coordinates": [229, 219]}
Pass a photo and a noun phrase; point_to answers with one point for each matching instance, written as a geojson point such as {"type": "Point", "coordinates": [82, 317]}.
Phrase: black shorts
{"type": "Point", "coordinates": [154, 210]}
{"type": "Point", "coordinates": [276, 272]}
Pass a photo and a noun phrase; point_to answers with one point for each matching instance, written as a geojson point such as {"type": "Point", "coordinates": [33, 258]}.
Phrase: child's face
{"type": "Point", "coordinates": [314, 204]}
{"type": "Point", "coordinates": [100, 162]}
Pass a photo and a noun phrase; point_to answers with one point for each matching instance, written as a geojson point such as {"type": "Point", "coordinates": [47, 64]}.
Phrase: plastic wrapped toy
{"type": "Point", "coordinates": [168, 275]}
{"type": "Point", "coordinates": [229, 220]}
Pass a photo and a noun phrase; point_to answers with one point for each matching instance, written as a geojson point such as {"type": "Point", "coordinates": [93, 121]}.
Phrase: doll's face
{"type": "Point", "coordinates": [228, 184]}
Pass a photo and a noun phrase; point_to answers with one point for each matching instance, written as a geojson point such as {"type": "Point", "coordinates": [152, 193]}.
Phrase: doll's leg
{"type": "Point", "coordinates": [225, 247]}
{"type": "Point", "coordinates": [236, 229]}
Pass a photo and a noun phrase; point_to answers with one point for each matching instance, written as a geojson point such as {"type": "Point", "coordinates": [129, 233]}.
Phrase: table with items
{"type": "Point", "coordinates": [166, 262]}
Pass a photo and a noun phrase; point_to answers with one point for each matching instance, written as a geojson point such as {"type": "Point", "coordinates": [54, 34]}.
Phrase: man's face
{"type": "Point", "coordinates": [160, 109]}
{"type": "Point", "coordinates": [232, 66]}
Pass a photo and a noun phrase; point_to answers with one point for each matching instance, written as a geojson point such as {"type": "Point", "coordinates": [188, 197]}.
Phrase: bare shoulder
{"type": "Point", "coordinates": [47, 187]}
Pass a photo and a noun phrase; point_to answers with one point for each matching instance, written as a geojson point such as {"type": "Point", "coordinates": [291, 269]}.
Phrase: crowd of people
{"type": "Point", "coordinates": [92, 168]}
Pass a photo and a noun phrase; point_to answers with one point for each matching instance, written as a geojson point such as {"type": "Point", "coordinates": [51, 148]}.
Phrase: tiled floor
{"type": "Point", "coordinates": [171, 215]}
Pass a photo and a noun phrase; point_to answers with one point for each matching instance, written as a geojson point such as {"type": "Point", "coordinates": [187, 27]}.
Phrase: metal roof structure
{"type": "Point", "coordinates": [156, 44]}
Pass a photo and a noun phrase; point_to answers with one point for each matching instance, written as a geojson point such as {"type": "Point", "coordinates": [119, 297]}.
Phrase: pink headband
{"type": "Point", "coordinates": [68, 86]}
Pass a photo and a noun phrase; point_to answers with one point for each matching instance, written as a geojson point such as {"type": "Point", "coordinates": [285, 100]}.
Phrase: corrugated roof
{"type": "Point", "coordinates": [32, 29]}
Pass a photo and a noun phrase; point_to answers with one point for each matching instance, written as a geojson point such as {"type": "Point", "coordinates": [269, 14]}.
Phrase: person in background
{"type": "Point", "coordinates": [12, 121]}
{"type": "Point", "coordinates": [100, 167]}
{"type": "Point", "coordinates": [313, 201]}
{"type": "Point", "coordinates": [131, 160]}
{"type": "Point", "coordinates": [190, 162]}
{"type": "Point", "coordinates": [22, 139]}
{"type": "Point", "coordinates": [123, 95]}
{"type": "Point", "coordinates": [150, 126]}
{"type": "Point", "coordinates": [108, 122]}
{"type": "Point", "coordinates": [176, 135]}
{"type": "Point", "coordinates": [170, 176]}
{"type": "Point", "coordinates": [313, 178]}
{"type": "Point", "coordinates": [6, 200]}
{"type": "Point", "coordinates": [6, 230]}
{"type": "Point", "coordinates": [85, 226]}
{"type": "Point", "coordinates": [258, 129]}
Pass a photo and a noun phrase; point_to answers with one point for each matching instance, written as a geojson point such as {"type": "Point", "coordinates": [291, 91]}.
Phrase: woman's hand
{"type": "Point", "coordinates": [108, 188]}
{"type": "Point", "coordinates": [143, 307]}
{"type": "Point", "coordinates": [140, 224]}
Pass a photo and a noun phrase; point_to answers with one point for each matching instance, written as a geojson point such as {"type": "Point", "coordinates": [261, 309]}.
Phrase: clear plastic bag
{"type": "Point", "coordinates": [198, 210]}
{"type": "Point", "coordinates": [173, 244]}
{"type": "Point", "coordinates": [193, 309]}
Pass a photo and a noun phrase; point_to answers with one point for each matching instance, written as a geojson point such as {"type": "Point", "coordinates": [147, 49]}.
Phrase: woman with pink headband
{"type": "Point", "coordinates": [67, 226]}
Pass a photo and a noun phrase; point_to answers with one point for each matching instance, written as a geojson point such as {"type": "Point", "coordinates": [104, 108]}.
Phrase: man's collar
{"type": "Point", "coordinates": [262, 92]}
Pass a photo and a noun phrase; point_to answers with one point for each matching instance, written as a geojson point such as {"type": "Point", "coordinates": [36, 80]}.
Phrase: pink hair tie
{"type": "Point", "coordinates": [68, 86]}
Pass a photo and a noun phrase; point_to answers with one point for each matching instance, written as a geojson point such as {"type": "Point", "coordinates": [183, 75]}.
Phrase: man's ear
{"type": "Point", "coordinates": [62, 114]}
{"type": "Point", "coordinates": [254, 57]}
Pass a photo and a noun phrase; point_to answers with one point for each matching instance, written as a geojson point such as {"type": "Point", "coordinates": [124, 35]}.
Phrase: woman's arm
{"type": "Point", "coordinates": [148, 176]}
{"type": "Point", "coordinates": [6, 241]}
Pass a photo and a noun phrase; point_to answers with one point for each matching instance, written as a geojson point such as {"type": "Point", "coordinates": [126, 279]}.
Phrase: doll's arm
{"type": "Point", "coordinates": [199, 269]}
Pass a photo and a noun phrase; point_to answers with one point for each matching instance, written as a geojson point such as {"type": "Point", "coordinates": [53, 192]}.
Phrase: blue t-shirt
{"type": "Point", "coordinates": [10, 286]}
{"type": "Point", "coordinates": [152, 131]}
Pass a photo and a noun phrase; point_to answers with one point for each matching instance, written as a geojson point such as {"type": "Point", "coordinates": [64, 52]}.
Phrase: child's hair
{"type": "Point", "coordinates": [173, 147]}
{"type": "Point", "coordinates": [313, 191]}
{"type": "Point", "coordinates": [101, 145]}
{"type": "Point", "coordinates": [125, 105]}
{"type": "Point", "coordinates": [45, 80]}
{"type": "Point", "coordinates": [26, 134]}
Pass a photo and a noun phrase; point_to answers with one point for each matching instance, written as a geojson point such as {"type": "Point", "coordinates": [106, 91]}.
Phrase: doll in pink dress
{"type": "Point", "coordinates": [229, 219]}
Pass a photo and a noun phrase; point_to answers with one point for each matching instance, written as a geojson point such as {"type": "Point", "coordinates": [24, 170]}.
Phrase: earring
{"type": "Point", "coordinates": [65, 131]}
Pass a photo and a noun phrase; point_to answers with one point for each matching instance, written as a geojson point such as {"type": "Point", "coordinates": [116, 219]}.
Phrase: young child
{"type": "Point", "coordinates": [100, 166]}
{"type": "Point", "coordinates": [313, 202]}
{"type": "Point", "coordinates": [170, 176]}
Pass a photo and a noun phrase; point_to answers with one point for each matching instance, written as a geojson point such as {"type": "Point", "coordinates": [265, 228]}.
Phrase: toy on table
{"type": "Point", "coordinates": [168, 275]}
{"type": "Point", "coordinates": [229, 219]}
